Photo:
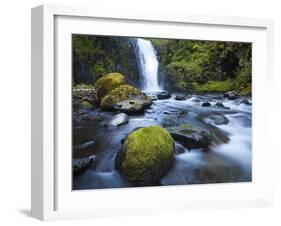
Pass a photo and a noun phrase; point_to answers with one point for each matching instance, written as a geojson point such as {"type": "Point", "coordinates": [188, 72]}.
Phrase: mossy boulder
{"type": "Point", "coordinates": [146, 156]}
{"type": "Point", "coordinates": [127, 99]}
{"type": "Point", "coordinates": [106, 83]}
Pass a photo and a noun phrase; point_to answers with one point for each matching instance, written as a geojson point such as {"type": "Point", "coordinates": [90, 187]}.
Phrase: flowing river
{"type": "Point", "coordinates": [228, 159]}
{"type": "Point", "coordinates": [223, 162]}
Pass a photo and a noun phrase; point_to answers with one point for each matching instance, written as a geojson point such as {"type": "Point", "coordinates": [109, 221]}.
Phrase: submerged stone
{"type": "Point", "coordinates": [216, 118]}
{"type": "Point", "coordinates": [206, 104]}
{"type": "Point", "coordinates": [232, 95]}
{"type": "Point", "coordinates": [163, 95]}
{"type": "Point", "coordinates": [79, 165]}
{"type": "Point", "coordinates": [180, 97]}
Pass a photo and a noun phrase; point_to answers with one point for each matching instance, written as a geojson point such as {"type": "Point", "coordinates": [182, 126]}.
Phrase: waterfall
{"type": "Point", "coordinates": [148, 65]}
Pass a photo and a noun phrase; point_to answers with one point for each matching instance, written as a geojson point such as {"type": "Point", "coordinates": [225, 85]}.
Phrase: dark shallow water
{"type": "Point", "coordinates": [222, 162]}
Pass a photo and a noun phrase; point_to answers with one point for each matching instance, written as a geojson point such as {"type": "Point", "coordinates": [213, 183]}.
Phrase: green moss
{"type": "Point", "coordinates": [121, 93]}
{"type": "Point", "coordinates": [243, 79]}
{"type": "Point", "coordinates": [148, 155]}
{"type": "Point", "coordinates": [86, 104]}
{"type": "Point", "coordinates": [214, 86]}
{"type": "Point", "coordinates": [108, 82]}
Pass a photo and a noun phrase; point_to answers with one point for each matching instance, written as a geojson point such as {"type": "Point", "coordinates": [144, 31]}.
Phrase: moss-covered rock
{"type": "Point", "coordinates": [125, 98]}
{"type": "Point", "coordinates": [146, 156]}
{"type": "Point", "coordinates": [108, 82]}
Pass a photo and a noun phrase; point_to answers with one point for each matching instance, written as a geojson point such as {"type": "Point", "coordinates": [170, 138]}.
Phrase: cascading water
{"type": "Point", "coordinates": [148, 65]}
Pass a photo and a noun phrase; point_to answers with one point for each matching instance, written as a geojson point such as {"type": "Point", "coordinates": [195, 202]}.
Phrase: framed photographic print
{"type": "Point", "coordinates": [134, 112]}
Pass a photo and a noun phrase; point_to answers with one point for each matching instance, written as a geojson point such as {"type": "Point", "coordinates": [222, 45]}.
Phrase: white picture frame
{"type": "Point", "coordinates": [52, 198]}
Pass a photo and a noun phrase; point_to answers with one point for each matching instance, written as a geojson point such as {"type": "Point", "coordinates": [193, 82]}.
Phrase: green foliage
{"type": "Point", "coordinates": [148, 155]}
{"type": "Point", "coordinates": [213, 86]}
{"type": "Point", "coordinates": [244, 79]}
{"type": "Point", "coordinates": [191, 65]}
{"type": "Point", "coordinates": [95, 56]}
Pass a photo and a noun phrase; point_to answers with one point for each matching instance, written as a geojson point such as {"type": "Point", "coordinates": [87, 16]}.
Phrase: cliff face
{"type": "Point", "coordinates": [95, 56]}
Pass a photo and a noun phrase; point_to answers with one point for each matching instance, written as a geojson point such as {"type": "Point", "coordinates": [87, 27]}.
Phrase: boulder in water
{"type": "Point", "coordinates": [79, 165]}
{"type": "Point", "coordinates": [180, 97]}
{"type": "Point", "coordinates": [163, 95]}
{"type": "Point", "coordinates": [132, 106]}
{"type": "Point", "coordinates": [245, 101]}
{"type": "Point", "coordinates": [106, 83]}
{"type": "Point", "coordinates": [191, 136]}
{"type": "Point", "coordinates": [118, 120]}
{"type": "Point", "coordinates": [220, 104]}
{"type": "Point", "coordinates": [195, 100]}
{"type": "Point", "coordinates": [217, 118]}
{"type": "Point", "coordinates": [179, 149]}
{"type": "Point", "coordinates": [127, 99]}
{"type": "Point", "coordinates": [232, 95]}
{"type": "Point", "coordinates": [146, 156]}
{"type": "Point", "coordinates": [206, 104]}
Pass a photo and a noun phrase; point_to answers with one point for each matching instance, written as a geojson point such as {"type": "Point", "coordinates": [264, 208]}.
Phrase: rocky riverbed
{"type": "Point", "coordinates": [211, 133]}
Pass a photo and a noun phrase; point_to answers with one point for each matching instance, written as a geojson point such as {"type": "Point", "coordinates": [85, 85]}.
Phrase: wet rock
{"type": "Point", "coordinates": [191, 136]}
{"type": "Point", "coordinates": [206, 104]}
{"type": "Point", "coordinates": [84, 98]}
{"type": "Point", "coordinates": [153, 97]}
{"type": "Point", "coordinates": [146, 156]}
{"type": "Point", "coordinates": [118, 120]}
{"type": "Point", "coordinates": [232, 95]}
{"type": "Point", "coordinates": [245, 101]}
{"type": "Point", "coordinates": [130, 107]}
{"type": "Point", "coordinates": [179, 149]}
{"type": "Point", "coordinates": [79, 165]}
{"type": "Point", "coordinates": [127, 99]}
{"type": "Point", "coordinates": [163, 95]}
{"type": "Point", "coordinates": [149, 111]}
{"type": "Point", "coordinates": [220, 104]}
{"type": "Point", "coordinates": [83, 147]}
{"type": "Point", "coordinates": [180, 97]}
{"type": "Point", "coordinates": [217, 118]}
{"type": "Point", "coordinates": [195, 100]}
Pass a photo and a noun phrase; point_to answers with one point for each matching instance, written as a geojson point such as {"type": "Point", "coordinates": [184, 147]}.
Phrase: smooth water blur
{"type": "Point", "coordinates": [222, 162]}
{"type": "Point", "coordinates": [148, 65]}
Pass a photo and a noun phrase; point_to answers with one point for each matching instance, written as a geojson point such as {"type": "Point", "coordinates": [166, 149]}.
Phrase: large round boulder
{"type": "Point", "coordinates": [127, 99]}
{"type": "Point", "coordinates": [146, 156]}
{"type": "Point", "coordinates": [106, 83]}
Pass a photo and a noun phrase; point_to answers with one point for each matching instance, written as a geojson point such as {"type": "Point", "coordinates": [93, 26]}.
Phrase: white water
{"type": "Point", "coordinates": [148, 64]}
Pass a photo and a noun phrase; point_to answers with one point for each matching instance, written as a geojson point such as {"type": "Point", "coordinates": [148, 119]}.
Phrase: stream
{"type": "Point", "coordinates": [225, 162]}
{"type": "Point", "coordinates": [227, 159]}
